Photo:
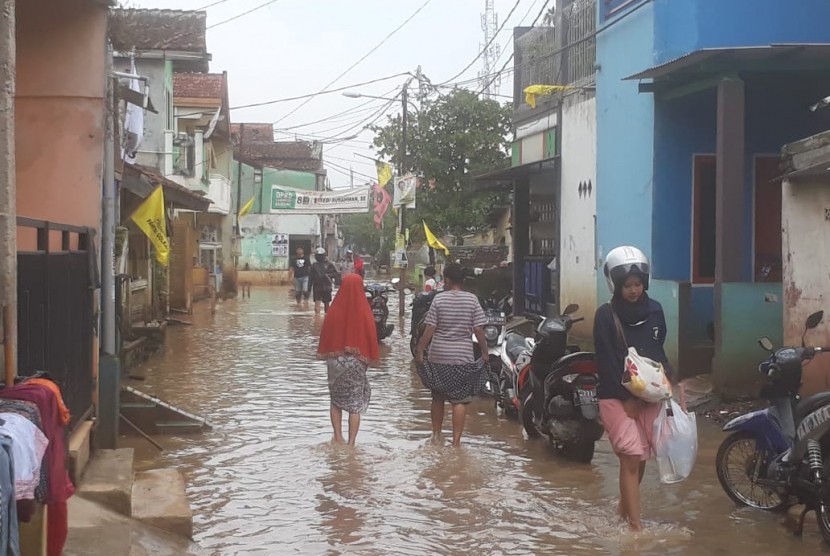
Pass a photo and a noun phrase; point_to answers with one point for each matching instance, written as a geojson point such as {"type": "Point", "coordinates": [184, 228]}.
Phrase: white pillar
{"type": "Point", "coordinates": [167, 157]}
{"type": "Point", "coordinates": [199, 155]}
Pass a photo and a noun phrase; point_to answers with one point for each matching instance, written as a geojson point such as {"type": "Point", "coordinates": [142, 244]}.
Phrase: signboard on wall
{"type": "Point", "coordinates": [287, 200]}
{"type": "Point", "coordinates": [279, 245]}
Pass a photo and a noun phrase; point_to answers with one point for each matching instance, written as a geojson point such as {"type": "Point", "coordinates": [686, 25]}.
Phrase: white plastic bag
{"type": "Point", "coordinates": [675, 443]}
{"type": "Point", "coordinates": [645, 378]}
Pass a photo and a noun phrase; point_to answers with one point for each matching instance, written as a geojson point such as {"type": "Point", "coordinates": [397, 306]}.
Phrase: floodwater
{"type": "Point", "coordinates": [266, 480]}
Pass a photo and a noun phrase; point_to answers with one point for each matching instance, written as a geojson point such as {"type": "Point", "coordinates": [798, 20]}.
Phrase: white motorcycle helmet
{"type": "Point", "coordinates": [320, 251]}
{"type": "Point", "coordinates": [621, 262]}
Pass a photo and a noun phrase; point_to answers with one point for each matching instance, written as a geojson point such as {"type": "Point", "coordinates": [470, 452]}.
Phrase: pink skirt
{"type": "Point", "coordinates": [629, 437]}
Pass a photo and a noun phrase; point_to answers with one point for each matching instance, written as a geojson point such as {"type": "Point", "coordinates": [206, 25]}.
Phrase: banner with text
{"type": "Point", "coordinates": [286, 200]}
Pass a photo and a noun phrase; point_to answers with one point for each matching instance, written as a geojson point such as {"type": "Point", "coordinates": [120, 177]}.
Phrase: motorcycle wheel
{"type": "Point", "coordinates": [581, 451]}
{"type": "Point", "coordinates": [526, 417]}
{"type": "Point", "coordinates": [823, 510]}
{"type": "Point", "coordinates": [735, 463]}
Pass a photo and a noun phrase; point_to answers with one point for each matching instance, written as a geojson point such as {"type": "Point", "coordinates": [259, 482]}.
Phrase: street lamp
{"type": "Point", "coordinates": [402, 168]}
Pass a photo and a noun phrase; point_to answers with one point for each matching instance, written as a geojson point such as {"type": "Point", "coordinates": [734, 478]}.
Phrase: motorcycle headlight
{"type": "Point", "coordinates": [491, 333]}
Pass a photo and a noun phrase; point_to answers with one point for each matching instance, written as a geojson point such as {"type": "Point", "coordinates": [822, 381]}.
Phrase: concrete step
{"type": "Point", "coordinates": [108, 479]}
{"type": "Point", "coordinates": [79, 451]}
{"type": "Point", "coordinates": [159, 499]}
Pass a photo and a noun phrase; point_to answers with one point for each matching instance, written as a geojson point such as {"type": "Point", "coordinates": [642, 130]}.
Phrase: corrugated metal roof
{"type": "Point", "coordinates": [708, 61]}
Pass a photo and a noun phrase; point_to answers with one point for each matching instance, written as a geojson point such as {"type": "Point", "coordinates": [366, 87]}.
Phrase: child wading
{"type": "Point", "coordinates": [627, 419]}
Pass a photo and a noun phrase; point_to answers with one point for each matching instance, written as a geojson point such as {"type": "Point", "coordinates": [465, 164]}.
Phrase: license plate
{"type": "Point", "coordinates": [586, 396]}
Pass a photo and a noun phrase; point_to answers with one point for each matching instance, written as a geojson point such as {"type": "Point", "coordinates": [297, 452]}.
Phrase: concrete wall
{"type": "Point", "coordinates": [806, 241]}
{"type": "Point", "coordinates": [59, 107]}
{"type": "Point", "coordinates": [258, 232]}
{"type": "Point", "coordinates": [159, 72]}
{"type": "Point", "coordinates": [578, 208]}
{"type": "Point", "coordinates": [625, 137]}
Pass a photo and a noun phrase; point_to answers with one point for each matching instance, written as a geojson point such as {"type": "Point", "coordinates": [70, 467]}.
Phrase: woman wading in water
{"type": "Point", "coordinates": [628, 420]}
{"type": "Point", "coordinates": [450, 370]}
{"type": "Point", "coordinates": [348, 343]}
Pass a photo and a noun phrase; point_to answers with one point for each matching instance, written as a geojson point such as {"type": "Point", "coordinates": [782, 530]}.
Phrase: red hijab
{"type": "Point", "coordinates": [349, 326]}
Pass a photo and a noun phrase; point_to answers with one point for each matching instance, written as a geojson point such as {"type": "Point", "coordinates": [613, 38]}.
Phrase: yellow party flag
{"type": "Point", "coordinates": [533, 91]}
{"type": "Point", "coordinates": [149, 216]}
{"type": "Point", "coordinates": [246, 208]}
{"type": "Point", "coordinates": [384, 173]}
{"type": "Point", "coordinates": [433, 241]}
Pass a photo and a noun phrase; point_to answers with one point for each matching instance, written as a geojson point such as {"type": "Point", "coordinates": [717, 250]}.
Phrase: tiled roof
{"type": "Point", "coordinates": [254, 131]}
{"type": "Point", "coordinates": [182, 30]}
{"type": "Point", "coordinates": [286, 155]}
{"type": "Point", "coordinates": [198, 85]}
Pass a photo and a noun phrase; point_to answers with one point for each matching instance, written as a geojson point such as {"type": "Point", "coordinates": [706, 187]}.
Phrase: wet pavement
{"type": "Point", "coordinates": [267, 480]}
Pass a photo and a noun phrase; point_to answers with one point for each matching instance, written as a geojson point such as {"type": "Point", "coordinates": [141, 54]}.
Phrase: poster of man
{"type": "Point", "coordinates": [405, 191]}
{"type": "Point", "coordinates": [279, 245]}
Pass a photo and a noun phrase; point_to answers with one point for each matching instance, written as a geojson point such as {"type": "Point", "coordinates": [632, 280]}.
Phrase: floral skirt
{"type": "Point", "coordinates": [458, 383]}
{"type": "Point", "coordinates": [348, 386]}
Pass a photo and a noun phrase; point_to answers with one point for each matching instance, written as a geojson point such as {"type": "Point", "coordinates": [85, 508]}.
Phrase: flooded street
{"type": "Point", "coordinates": [266, 479]}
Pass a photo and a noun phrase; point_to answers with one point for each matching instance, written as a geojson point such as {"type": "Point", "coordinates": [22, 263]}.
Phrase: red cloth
{"type": "Point", "coordinates": [349, 326]}
{"type": "Point", "coordinates": [60, 487]}
{"type": "Point", "coordinates": [358, 263]}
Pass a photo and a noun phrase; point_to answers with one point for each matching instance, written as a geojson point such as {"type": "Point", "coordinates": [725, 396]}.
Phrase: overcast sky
{"type": "Point", "coordinates": [296, 47]}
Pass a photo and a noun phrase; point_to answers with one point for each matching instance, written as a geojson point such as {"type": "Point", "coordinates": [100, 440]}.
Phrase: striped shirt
{"type": "Point", "coordinates": [454, 314]}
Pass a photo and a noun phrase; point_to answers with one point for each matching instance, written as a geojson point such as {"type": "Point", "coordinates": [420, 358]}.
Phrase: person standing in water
{"type": "Point", "coordinates": [298, 271]}
{"type": "Point", "coordinates": [348, 343]}
{"type": "Point", "coordinates": [450, 370]}
{"type": "Point", "coordinates": [322, 275]}
{"type": "Point", "coordinates": [628, 420]}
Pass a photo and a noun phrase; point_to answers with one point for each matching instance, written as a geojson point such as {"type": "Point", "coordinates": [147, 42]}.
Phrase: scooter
{"type": "Point", "coordinates": [377, 295]}
{"type": "Point", "coordinates": [557, 390]}
{"type": "Point", "coordinates": [780, 456]}
{"type": "Point", "coordinates": [494, 333]}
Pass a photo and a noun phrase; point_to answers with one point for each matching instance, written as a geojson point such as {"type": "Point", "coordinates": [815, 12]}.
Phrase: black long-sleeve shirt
{"type": "Point", "coordinates": [647, 337]}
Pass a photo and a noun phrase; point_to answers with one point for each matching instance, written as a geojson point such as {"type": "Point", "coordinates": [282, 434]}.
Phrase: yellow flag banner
{"type": "Point", "coordinates": [433, 241]}
{"type": "Point", "coordinates": [149, 216]}
{"type": "Point", "coordinates": [384, 173]}
{"type": "Point", "coordinates": [246, 208]}
{"type": "Point", "coordinates": [534, 91]}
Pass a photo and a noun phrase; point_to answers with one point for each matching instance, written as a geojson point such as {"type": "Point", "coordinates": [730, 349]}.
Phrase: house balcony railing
{"type": "Point", "coordinates": [219, 191]}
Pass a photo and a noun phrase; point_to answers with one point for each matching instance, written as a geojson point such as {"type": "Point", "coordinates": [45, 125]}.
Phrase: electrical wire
{"type": "Point", "coordinates": [312, 95]}
{"type": "Point", "coordinates": [350, 170]}
{"type": "Point", "coordinates": [242, 14]}
{"type": "Point", "coordinates": [486, 46]}
{"type": "Point", "coordinates": [354, 109]}
{"type": "Point", "coordinates": [211, 5]}
{"type": "Point", "coordinates": [347, 70]}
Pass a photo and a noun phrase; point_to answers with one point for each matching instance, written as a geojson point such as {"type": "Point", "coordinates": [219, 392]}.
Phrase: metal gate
{"type": "Point", "coordinates": [56, 326]}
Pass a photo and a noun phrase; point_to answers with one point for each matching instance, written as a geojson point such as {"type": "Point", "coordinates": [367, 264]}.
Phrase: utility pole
{"type": "Point", "coordinates": [402, 171]}
{"type": "Point", "coordinates": [8, 210]}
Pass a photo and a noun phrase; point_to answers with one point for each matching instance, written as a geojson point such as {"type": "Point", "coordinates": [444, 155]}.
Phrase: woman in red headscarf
{"type": "Point", "coordinates": [348, 343]}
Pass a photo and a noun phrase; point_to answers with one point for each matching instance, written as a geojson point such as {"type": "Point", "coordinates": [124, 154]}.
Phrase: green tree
{"type": "Point", "coordinates": [359, 232]}
{"type": "Point", "coordinates": [450, 140]}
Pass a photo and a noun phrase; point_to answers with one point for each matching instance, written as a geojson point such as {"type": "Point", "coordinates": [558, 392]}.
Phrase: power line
{"type": "Point", "coordinates": [347, 70]}
{"type": "Point", "coordinates": [350, 170]}
{"type": "Point", "coordinates": [242, 14]}
{"type": "Point", "coordinates": [354, 109]}
{"type": "Point", "coordinates": [486, 46]}
{"type": "Point", "coordinates": [312, 95]}
{"type": "Point", "coordinates": [211, 5]}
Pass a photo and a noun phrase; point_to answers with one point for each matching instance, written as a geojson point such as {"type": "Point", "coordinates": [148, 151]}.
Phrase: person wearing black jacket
{"type": "Point", "coordinates": [628, 420]}
{"type": "Point", "coordinates": [322, 276]}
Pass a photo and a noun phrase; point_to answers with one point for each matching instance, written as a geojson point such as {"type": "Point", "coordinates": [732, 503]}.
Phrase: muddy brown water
{"type": "Point", "coordinates": [267, 480]}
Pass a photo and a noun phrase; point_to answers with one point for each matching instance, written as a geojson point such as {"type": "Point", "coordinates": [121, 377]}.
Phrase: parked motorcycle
{"type": "Point", "coordinates": [420, 306]}
{"type": "Point", "coordinates": [557, 389]}
{"type": "Point", "coordinates": [378, 297]}
{"type": "Point", "coordinates": [779, 456]}
{"type": "Point", "coordinates": [494, 333]}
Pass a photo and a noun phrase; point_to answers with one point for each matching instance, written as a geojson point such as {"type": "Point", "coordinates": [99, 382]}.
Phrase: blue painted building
{"type": "Point", "coordinates": [694, 100]}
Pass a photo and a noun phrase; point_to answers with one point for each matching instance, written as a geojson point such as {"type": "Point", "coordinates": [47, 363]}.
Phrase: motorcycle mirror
{"type": "Point", "coordinates": [765, 343]}
{"type": "Point", "coordinates": [814, 320]}
{"type": "Point", "coordinates": [571, 309]}
{"type": "Point", "coordinates": [395, 281]}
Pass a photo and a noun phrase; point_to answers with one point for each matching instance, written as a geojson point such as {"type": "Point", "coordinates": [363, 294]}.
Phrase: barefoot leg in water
{"type": "Point", "coordinates": [459, 415]}
{"type": "Point", "coordinates": [437, 413]}
{"type": "Point", "coordinates": [354, 426]}
{"type": "Point", "coordinates": [630, 490]}
{"type": "Point", "coordinates": [336, 424]}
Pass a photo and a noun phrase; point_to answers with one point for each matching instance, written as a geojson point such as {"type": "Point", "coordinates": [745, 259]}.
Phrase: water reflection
{"type": "Point", "coordinates": [266, 480]}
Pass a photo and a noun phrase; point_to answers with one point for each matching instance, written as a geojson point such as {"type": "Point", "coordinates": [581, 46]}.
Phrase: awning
{"type": "Point", "coordinates": [142, 180]}
{"type": "Point", "coordinates": [711, 62]}
{"type": "Point", "coordinates": [505, 176]}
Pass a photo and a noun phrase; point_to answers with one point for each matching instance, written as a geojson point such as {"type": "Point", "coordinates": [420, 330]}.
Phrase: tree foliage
{"type": "Point", "coordinates": [450, 140]}
{"type": "Point", "coordinates": [360, 233]}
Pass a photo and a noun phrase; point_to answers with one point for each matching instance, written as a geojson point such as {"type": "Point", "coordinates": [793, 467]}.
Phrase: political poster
{"type": "Point", "coordinates": [405, 191]}
{"type": "Point", "coordinates": [287, 200]}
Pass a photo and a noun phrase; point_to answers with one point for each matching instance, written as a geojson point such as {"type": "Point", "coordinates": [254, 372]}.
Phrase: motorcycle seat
{"type": "Point", "coordinates": [808, 405]}
{"type": "Point", "coordinates": [515, 345]}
